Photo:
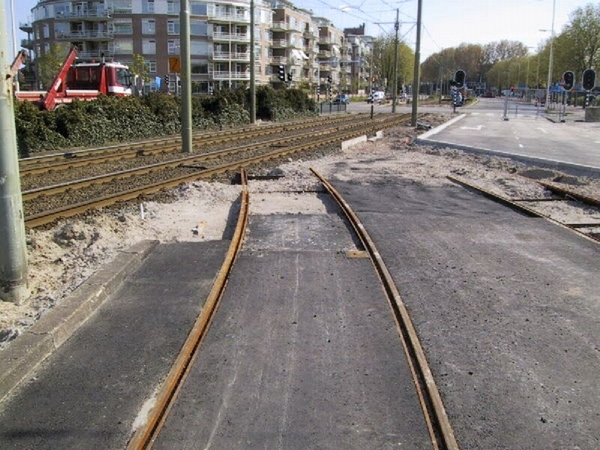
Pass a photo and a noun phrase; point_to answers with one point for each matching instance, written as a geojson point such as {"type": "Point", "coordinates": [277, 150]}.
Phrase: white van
{"type": "Point", "coordinates": [376, 97]}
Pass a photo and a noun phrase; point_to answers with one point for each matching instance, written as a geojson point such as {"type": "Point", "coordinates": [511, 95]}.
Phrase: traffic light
{"type": "Point", "coordinates": [281, 73]}
{"type": "Point", "coordinates": [167, 80]}
{"type": "Point", "coordinates": [211, 89]}
{"type": "Point", "coordinates": [290, 76]}
{"type": "Point", "coordinates": [589, 79]}
{"type": "Point", "coordinates": [460, 77]}
{"type": "Point", "coordinates": [329, 79]}
{"type": "Point", "coordinates": [569, 80]}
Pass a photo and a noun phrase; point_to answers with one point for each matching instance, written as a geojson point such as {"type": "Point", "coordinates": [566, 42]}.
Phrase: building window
{"type": "Point", "coordinates": [198, 8]}
{"type": "Point", "coordinates": [148, 6]}
{"type": "Point", "coordinates": [173, 47]}
{"type": "Point", "coordinates": [122, 6]}
{"type": "Point", "coordinates": [173, 7]}
{"type": "Point", "coordinates": [61, 29]}
{"type": "Point", "coordinates": [198, 28]}
{"type": "Point", "coordinates": [46, 31]}
{"type": "Point", "coordinates": [173, 26]}
{"type": "Point", "coordinates": [150, 66]}
{"type": "Point", "coordinates": [199, 67]}
{"type": "Point", "coordinates": [199, 48]}
{"type": "Point", "coordinates": [148, 46]}
{"type": "Point", "coordinates": [148, 26]}
{"type": "Point", "coordinates": [62, 10]}
{"type": "Point", "coordinates": [122, 26]}
{"type": "Point", "coordinates": [123, 46]}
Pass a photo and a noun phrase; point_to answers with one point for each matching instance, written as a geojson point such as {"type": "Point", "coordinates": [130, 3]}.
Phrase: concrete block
{"type": "Point", "coordinates": [592, 114]}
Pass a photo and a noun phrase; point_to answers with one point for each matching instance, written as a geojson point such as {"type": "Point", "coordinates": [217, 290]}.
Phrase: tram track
{"type": "Point", "coordinates": [36, 183]}
{"type": "Point", "coordinates": [435, 417]}
{"type": "Point", "coordinates": [43, 206]}
{"type": "Point", "coordinates": [58, 162]}
{"type": "Point", "coordinates": [589, 229]}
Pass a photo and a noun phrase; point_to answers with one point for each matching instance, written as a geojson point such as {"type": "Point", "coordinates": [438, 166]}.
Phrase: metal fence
{"type": "Point", "coordinates": [330, 107]}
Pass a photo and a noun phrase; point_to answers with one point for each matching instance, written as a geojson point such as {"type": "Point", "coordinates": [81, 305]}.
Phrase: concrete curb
{"type": "Point", "coordinates": [442, 127]}
{"type": "Point", "coordinates": [577, 169]}
{"type": "Point", "coordinates": [54, 328]}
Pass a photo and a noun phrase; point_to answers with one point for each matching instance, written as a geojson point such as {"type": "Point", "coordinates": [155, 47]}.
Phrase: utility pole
{"type": "Point", "coordinates": [13, 257]}
{"type": "Point", "coordinates": [252, 67]}
{"type": "Point", "coordinates": [371, 80]}
{"type": "Point", "coordinates": [551, 57]}
{"type": "Point", "coordinates": [415, 93]}
{"type": "Point", "coordinates": [186, 77]}
{"type": "Point", "coordinates": [395, 83]}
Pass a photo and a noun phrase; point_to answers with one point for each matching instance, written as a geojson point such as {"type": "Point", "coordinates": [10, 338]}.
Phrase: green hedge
{"type": "Point", "coordinates": [113, 119]}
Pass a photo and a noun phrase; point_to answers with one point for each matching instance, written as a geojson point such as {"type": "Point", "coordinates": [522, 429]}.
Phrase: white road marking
{"type": "Point", "coordinates": [521, 145]}
{"type": "Point", "coordinates": [478, 128]}
{"type": "Point", "coordinates": [542, 130]}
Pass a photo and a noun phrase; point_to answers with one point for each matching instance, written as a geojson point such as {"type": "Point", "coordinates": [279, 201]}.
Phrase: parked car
{"type": "Point", "coordinates": [341, 99]}
{"type": "Point", "coordinates": [376, 97]}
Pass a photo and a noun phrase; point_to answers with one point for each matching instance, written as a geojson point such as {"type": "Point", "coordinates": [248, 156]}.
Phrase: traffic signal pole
{"type": "Point", "coordinates": [252, 67]}
{"type": "Point", "coordinates": [416, 75]}
{"type": "Point", "coordinates": [395, 83]}
{"type": "Point", "coordinates": [186, 78]}
{"type": "Point", "coordinates": [13, 246]}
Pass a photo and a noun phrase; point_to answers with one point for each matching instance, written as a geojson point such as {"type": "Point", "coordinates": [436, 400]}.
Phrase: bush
{"type": "Point", "coordinates": [115, 119]}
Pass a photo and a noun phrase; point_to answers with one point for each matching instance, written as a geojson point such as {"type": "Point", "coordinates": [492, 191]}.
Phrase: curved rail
{"type": "Point", "coordinates": [438, 424]}
{"type": "Point", "coordinates": [529, 211]}
{"type": "Point", "coordinates": [144, 437]}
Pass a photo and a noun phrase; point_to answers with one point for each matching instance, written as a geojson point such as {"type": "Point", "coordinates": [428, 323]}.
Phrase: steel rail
{"type": "Point", "coordinates": [438, 423]}
{"type": "Point", "coordinates": [144, 437]}
{"type": "Point", "coordinates": [46, 217]}
{"type": "Point", "coordinates": [522, 208]}
{"type": "Point", "coordinates": [106, 178]}
{"type": "Point", "coordinates": [588, 200]}
{"type": "Point", "coordinates": [72, 158]}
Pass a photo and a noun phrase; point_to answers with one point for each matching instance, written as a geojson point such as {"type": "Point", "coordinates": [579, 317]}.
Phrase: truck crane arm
{"type": "Point", "coordinates": [17, 63]}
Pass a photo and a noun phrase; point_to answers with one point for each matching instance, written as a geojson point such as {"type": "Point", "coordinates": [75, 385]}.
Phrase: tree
{"type": "Point", "coordinates": [48, 65]}
{"type": "Point", "coordinates": [140, 70]}
{"type": "Point", "coordinates": [579, 43]}
{"type": "Point", "coordinates": [384, 58]}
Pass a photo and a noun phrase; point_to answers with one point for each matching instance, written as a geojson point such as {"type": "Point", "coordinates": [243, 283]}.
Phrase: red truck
{"type": "Point", "coordinates": [82, 81]}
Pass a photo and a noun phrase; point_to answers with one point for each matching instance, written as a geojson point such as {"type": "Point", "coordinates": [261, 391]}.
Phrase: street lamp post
{"type": "Point", "coordinates": [551, 55]}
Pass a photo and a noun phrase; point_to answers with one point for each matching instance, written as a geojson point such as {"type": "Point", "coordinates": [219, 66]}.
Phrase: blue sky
{"type": "Point", "coordinates": [445, 23]}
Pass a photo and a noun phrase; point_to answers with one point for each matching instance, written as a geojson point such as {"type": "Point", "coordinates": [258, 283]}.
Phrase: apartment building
{"type": "Point", "coordinates": [309, 49]}
{"type": "Point", "coordinates": [361, 51]}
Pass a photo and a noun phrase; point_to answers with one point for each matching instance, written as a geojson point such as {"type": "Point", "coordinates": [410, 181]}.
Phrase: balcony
{"type": "Point", "coordinates": [26, 27]}
{"type": "Point", "coordinates": [95, 54]}
{"type": "Point", "coordinates": [280, 43]}
{"type": "Point", "coordinates": [310, 35]}
{"type": "Point", "coordinates": [231, 56]}
{"type": "Point", "coordinates": [87, 14]}
{"type": "Point", "coordinates": [91, 35]}
{"type": "Point", "coordinates": [27, 43]}
{"type": "Point", "coordinates": [324, 54]}
{"type": "Point", "coordinates": [218, 15]}
{"type": "Point", "coordinates": [279, 60]}
{"type": "Point", "coordinates": [223, 75]}
{"type": "Point", "coordinates": [230, 37]}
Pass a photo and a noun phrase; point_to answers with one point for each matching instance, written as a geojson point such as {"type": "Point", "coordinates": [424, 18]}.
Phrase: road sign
{"type": "Point", "coordinates": [174, 64]}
